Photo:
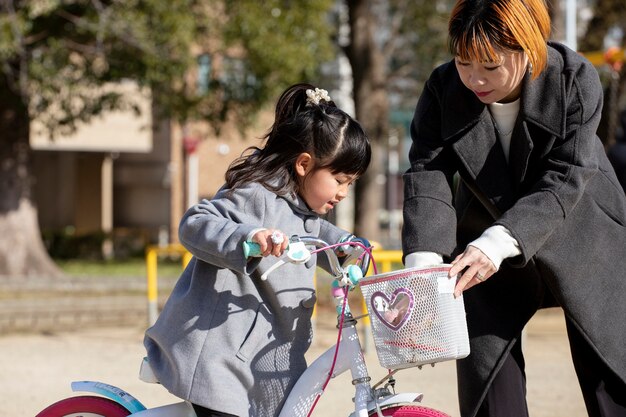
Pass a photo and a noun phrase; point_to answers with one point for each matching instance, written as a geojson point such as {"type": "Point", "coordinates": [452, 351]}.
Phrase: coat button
{"type": "Point", "coordinates": [309, 225]}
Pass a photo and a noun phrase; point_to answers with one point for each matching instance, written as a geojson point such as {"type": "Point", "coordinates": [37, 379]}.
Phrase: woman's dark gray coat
{"type": "Point", "coordinates": [558, 196]}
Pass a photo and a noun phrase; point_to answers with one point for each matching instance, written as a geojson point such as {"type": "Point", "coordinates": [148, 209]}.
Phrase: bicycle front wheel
{"type": "Point", "coordinates": [410, 411]}
{"type": "Point", "coordinates": [85, 406]}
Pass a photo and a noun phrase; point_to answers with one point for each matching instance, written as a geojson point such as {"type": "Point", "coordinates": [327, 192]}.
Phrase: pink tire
{"type": "Point", "coordinates": [85, 406]}
{"type": "Point", "coordinates": [410, 411]}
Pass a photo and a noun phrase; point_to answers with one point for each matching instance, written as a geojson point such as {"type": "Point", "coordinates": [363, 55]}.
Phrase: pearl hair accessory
{"type": "Point", "coordinates": [317, 95]}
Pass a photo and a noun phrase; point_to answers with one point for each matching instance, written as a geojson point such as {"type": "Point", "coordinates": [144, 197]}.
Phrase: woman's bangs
{"type": "Point", "coordinates": [474, 46]}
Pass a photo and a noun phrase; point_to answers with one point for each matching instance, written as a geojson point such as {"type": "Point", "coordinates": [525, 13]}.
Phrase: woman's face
{"type": "Point", "coordinates": [494, 81]}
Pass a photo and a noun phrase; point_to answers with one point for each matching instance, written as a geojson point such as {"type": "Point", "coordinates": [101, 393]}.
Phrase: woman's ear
{"type": "Point", "coordinates": [304, 164]}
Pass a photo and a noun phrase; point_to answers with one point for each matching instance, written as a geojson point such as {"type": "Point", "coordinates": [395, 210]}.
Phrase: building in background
{"type": "Point", "coordinates": [122, 181]}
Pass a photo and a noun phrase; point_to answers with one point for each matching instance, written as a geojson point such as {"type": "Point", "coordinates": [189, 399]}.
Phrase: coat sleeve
{"type": "Point", "coordinates": [428, 213]}
{"type": "Point", "coordinates": [571, 162]}
{"type": "Point", "coordinates": [214, 231]}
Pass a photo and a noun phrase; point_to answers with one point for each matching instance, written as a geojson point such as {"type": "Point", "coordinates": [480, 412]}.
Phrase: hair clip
{"type": "Point", "coordinates": [317, 95]}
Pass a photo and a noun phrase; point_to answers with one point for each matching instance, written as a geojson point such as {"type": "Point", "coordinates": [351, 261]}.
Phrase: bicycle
{"type": "Point", "coordinates": [378, 400]}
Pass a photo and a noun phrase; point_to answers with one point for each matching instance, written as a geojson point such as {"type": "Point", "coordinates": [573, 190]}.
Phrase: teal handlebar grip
{"type": "Point", "coordinates": [251, 249]}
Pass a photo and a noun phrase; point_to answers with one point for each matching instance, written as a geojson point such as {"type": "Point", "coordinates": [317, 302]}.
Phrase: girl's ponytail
{"type": "Point", "coordinates": [294, 100]}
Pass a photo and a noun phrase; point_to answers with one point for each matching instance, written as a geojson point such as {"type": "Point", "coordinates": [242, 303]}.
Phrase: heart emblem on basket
{"type": "Point", "coordinates": [393, 311]}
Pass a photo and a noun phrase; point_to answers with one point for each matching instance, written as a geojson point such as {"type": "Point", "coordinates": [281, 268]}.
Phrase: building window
{"type": "Point", "coordinates": [204, 74]}
{"type": "Point", "coordinates": [238, 82]}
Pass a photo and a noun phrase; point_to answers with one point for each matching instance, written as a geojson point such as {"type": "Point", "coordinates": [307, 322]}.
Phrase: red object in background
{"type": "Point", "coordinates": [190, 144]}
{"type": "Point", "coordinates": [613, 56]}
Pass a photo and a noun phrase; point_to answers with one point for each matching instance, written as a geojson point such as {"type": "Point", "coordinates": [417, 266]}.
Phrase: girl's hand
{"type": "Point", "coordinates": [266, 238]}
{"type": "Point", "coordinates": [479, 269]}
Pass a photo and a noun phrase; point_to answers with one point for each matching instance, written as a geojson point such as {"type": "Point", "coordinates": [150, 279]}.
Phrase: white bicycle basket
{"type": "Point", "coordinates": [415, 318]}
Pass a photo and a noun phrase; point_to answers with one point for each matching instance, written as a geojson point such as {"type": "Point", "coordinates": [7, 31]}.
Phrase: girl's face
{"type": "Point", "coordinates": [494, 81]}
{"type": "Point", "coordinates": [322, 189]}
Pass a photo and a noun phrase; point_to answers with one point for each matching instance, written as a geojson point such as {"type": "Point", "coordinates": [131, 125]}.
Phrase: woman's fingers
{"type": "Point", "coordinates": [474, 266]}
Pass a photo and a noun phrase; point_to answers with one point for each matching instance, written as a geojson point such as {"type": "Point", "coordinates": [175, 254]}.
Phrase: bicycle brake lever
{"type": "Point", "coordinates": [297, 253]}
{"type": "Point", "coordinates": [271, 269]}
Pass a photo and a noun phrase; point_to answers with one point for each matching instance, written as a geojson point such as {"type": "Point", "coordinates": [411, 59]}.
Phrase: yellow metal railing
{"type": "Point", "coordinates": [385, 258]}
{"type": "Point", "coordinates": [599, 58]}
{"type": "Point", "coordinates": [152, 257]}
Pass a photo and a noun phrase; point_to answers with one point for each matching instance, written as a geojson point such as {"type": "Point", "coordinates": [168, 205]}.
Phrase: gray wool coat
{"type": "Point", "coordinates": [558, 196]}
{"type": "Point", "coordinates": [225, 339]}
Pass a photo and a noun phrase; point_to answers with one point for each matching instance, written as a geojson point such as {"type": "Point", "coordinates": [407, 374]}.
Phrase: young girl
{"type": "Point", "coordinates": [228, 342]}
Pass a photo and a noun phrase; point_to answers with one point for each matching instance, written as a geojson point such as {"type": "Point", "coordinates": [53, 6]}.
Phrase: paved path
{"type": "Point", "coordinates": [38, 368]}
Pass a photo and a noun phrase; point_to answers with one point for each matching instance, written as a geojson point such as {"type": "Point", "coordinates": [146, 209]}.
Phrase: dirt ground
{"type": "Point", "coordinates": [36, 370]}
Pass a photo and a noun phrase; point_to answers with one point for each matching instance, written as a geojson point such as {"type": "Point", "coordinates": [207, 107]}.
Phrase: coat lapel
{"type": "Point", "coordinates": [542, 107]}
{"type": "Point", "coordinates": [483, 159]}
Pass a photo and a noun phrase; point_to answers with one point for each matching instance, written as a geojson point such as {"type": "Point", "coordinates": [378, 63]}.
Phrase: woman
{"type": "Point", "coordinates": [538, 217]}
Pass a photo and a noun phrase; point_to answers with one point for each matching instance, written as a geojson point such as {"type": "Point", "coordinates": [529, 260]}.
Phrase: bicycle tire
{"type": "Point", "coordinates": [85, 406]}
{"type": "Point", "coordinates": [410, 411]}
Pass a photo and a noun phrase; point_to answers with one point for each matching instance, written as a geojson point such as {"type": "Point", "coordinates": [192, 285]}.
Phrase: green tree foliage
{"type": "Point", "coordinates": [416, 44]}
{"type": "Point", "coordinates": [255, 49]}
{"type": "Point", "coordinates": [57, 55]}
{"type": "Point", "coordinates": [285, 41]}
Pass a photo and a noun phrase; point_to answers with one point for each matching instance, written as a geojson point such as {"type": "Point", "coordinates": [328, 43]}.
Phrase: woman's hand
{"type": "Point", "coordinates": [478, 268]}
{"type": "Point", "coordinates": [271, 241]}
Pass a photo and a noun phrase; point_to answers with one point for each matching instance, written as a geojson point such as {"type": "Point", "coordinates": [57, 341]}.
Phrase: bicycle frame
{"type": "Point", "coordinates": [350, 356]}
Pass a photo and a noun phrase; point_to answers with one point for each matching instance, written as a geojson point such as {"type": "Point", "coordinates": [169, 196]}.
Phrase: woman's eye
{"type": "Point", "coordinates": [492, 68]}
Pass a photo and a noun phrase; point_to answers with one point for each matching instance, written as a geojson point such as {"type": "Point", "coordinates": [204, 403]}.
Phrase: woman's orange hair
{"type": "Point", "coordinates": [480, 29]}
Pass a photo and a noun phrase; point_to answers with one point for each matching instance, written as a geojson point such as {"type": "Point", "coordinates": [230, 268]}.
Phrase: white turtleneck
{"type": "Point", "coordinates": [504, 116]}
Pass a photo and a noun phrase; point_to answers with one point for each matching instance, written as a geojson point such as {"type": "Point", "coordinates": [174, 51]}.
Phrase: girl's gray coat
{"type": "Point", "coordinates": [225, 339]}
{"type": "Point", "coordinates": [558, 196]}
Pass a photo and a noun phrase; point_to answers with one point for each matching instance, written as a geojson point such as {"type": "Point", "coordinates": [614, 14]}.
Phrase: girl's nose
{"type": "Point", "coordinates": [342, 192]}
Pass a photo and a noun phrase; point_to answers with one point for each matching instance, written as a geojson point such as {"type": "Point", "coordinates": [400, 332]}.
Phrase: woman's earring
{"type": "Point", "coordinates": [530, 67]}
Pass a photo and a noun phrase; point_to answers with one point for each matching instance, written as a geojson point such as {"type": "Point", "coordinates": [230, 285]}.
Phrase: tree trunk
{"type": "Point", "coordinates": [22, 252]}
{"type": "Point", "coordinates": [605, 13]}
{"type": "Point", "coordinates": [372, 111]}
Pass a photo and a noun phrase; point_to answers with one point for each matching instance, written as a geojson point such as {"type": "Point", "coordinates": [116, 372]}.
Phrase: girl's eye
{"type": "Point", "coordinates": [342, 181]}
{"type": "Point", "coordinates": [492, 68]}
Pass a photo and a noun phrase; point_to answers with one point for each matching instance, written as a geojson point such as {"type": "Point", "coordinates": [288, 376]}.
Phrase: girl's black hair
{"type": "Point", "coordinates": [334, 139]}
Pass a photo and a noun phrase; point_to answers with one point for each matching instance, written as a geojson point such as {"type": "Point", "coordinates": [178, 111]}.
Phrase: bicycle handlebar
{"type": "Point", "coordinates": [298, 253]}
